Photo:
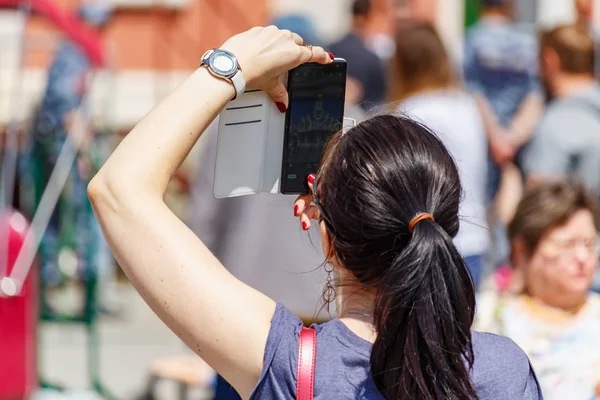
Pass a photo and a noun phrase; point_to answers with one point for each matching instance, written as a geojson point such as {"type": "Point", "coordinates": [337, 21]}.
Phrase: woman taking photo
{"type": "Point", "coordinates": [387, 208]}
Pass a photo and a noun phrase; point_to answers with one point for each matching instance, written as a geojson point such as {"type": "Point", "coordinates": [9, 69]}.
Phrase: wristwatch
{"type": "Point", "coordinates": [224, 65]}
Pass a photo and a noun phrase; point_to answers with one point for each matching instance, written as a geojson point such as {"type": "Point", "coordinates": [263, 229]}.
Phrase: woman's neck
{"type": "Point", "coordinates": [354, 307]}
{"type": "Point", "coordinates": [555, 309]}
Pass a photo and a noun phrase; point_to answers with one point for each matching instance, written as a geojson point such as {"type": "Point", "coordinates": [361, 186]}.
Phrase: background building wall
{"type": "Point", "coordinates": [166, 44]}
{"type": "Point", "coordinates": [151, 49]}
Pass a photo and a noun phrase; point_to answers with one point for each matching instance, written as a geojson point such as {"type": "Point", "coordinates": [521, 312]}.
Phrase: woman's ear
{"type": "Point", "coordinates": [326, 243]}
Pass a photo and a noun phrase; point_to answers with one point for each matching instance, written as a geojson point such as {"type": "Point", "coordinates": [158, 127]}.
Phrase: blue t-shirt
{"type": "Point", "coordinates": [501, 63]}
{"type": "Point", "coordinates": [501, 369]}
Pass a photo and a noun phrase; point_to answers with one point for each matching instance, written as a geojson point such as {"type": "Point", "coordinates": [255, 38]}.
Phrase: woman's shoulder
{"type": "Point", "coordinates": [502, 369]}
{"type": "Point", "coordinates": [338, 352]}
{"type": "Point", "coordinates": [494, 350]}
{"type": "Point", "coordinates": [277, 379]}
{"type": "Point", "coordinates": [286, 326]}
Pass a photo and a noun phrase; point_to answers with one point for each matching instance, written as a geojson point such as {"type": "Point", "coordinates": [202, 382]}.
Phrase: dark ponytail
{"type": "Point", "coordinates": [423, 314]}
{"type": "Point", "coordinates": [375, 180]}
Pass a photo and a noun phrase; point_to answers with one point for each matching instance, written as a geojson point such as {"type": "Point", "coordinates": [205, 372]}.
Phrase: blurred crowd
{"type": "Point", "coordinates": [520, 113]}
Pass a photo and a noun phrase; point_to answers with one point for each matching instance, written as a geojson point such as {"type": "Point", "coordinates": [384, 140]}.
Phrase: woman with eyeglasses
{"type": "Point", "coordinates": [387, 204]}
{"type": "Point", "coordinates": [548, 309]}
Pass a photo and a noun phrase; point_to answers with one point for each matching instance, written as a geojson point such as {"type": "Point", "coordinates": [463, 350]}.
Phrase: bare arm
{"type": "Point", "coordinates": [222, 319]}
{"type": "Point", "coordinates": [525, 120]}
{"type": "Point", "coordinates": [500, 149]}
{"type": "Point", "coordinates": [490, 120]}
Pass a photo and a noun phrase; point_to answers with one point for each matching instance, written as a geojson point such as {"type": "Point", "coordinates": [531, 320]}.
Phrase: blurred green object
{"type": "Point", "coordinates": [472, 10]}
{"type": "Point", "coordinates": [68, 232]}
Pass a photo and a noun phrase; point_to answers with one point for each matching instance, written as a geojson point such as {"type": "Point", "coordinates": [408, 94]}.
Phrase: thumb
{"type": "Point", "coordinates": [279, 94]}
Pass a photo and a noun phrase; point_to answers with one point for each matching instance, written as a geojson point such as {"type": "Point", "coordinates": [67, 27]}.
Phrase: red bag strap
{"type": "Point", "coordinates": [307, 350]}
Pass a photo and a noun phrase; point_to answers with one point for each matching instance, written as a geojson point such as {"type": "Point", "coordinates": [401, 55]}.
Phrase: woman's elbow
{"type": "Point", "coordinates": [102, 195]}
{"type": "Point", "coordinates": [113, 194]}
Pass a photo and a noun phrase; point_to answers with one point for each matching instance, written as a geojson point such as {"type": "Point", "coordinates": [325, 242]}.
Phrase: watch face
{"type": "Point", "coordinates": [223, 63]}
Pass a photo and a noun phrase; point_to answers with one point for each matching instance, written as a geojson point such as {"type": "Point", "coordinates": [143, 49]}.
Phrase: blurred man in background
{"type": "Point", "coordinates": [366, 72]}
{"type": "Point", "coordinates": [567, 141]}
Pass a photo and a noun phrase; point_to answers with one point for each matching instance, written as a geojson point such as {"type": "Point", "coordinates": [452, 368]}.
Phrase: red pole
{"type": "Point", "coordinates": [18, 320]}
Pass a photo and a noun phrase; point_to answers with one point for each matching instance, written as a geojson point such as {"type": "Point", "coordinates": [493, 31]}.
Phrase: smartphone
{"type": "Point", "coordinates": [315, 112]}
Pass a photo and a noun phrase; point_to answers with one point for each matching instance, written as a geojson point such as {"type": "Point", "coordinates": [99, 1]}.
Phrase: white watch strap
{"type": "Point", "coordinates": [239, 83]}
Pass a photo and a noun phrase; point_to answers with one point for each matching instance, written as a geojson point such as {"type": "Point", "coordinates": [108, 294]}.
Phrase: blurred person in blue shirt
{"type": "Point", "coordinates": [500, 66]}
{"type": "Point", "coordinates": [65, 90]}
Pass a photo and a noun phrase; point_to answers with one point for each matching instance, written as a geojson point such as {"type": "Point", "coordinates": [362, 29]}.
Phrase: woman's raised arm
{"type": "Point", "coordinates": [222, 319]}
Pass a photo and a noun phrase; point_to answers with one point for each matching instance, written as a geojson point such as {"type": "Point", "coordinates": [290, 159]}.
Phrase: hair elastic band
{"type": "Point", "coordinates": [418, 218]}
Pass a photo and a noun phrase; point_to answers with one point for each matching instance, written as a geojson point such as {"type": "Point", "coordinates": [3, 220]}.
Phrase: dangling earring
{"type": "Point", "coordinates": [329, 289]}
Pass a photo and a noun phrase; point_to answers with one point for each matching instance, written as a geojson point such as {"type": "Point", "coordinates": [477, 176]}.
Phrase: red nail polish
{"type": "Point", "coordinates": [304, 225]}
{"type": "Point", "coordinates": [311, 178]}
{"type": "Point", "coordinates": [331, 56]}
{"type": "Point", "coordinates": [296, 210]}
{"type": "Point", "coordinates": [281, 107]}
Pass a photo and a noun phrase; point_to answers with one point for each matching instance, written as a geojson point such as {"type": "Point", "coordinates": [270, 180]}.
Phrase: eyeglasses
{"type": "Point", "coordinates": [567, 248]}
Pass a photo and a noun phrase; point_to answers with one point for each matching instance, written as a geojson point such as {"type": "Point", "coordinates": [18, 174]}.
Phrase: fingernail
{"type": "Point", "coordinates": [331, 56]}
{"type": "Point", "coordinates": [304, 225]}
{"type": "Point", "coordinates": [296, 210]}
{"type": "Point", "coordinates": [281, 107]}
{"type": "Point", "coordinates": [311, 178]}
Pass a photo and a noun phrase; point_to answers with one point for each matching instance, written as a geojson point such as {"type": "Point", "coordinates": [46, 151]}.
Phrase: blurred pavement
{"type": "Point", "coordinates": [128, 345]}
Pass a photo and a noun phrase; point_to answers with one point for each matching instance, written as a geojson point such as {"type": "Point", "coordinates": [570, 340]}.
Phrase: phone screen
{"type": "Point", "coordinates": [315, 113]}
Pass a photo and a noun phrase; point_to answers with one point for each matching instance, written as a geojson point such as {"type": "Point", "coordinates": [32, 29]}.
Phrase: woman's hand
{"type": "Point", "coordinates": [265, 54]}
{"type": "Point", "coordinates": [303, 207]}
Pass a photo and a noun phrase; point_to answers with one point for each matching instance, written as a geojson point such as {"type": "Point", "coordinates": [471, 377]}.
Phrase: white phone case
{"type": "Point", "coordinates": [250, 146]}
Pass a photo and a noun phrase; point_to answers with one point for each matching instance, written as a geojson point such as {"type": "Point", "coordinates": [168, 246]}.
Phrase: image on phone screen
{"type": "Point", "coordinates": [315, 113]}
